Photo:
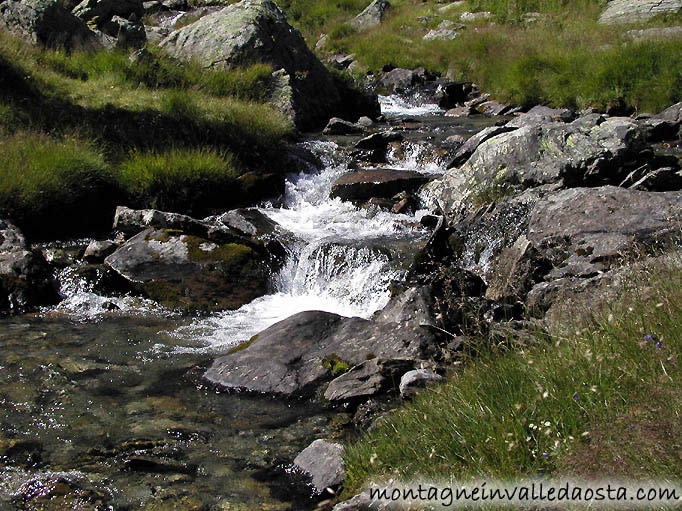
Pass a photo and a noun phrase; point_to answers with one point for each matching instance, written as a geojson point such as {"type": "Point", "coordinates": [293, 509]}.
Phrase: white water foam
{"type": "Point", "coordinates": [396, 106]}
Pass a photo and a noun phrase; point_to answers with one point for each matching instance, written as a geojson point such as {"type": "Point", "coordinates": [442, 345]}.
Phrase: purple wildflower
{"type": "Point", "coordinates": [659, 345]}
{"type": "Point", "coordinates": [576, 396]}
{"type": "Point", "coordinates": [545, 454]}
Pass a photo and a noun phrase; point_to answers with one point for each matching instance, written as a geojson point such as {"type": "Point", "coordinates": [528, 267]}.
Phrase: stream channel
{"type": "Point", "coordinates": [105, 409]}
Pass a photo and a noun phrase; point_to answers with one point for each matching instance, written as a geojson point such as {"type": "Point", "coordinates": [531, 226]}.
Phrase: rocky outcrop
{"type": "Point", "coordinates": [371, 17]}
{"type": "Point", "coordinates": [103, 10]}
{"type": "Point", "coordinates": [46, 22]}
{"type": "Point", "coordinates": [25, 277]}
{"type": "Point", "coordinates": [323, 462]}
{"type": "Point", "coordinates": [363, 185]}
{"type": "Point", "coordinates": [634, 11]}
{"type": "Point", "coordinates": [256, 31]}
{"type": "Point", "coordinates": [589, 151]}
{"type": "Point", "coordinates": [296, 355]}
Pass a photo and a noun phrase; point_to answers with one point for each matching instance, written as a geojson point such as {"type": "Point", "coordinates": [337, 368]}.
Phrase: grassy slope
{"type": "Point", "coordinates": [602, 400]}
{"type": "Point", "coordinates": [120, 120]}
{"type": "Point", "coordinates": [565, 59]}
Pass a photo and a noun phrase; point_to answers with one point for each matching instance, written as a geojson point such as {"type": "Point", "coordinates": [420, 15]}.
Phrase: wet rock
{"type": "Point", "coordinates": [20, 451]}
{"type": "Point", "coordinates": [454, 94]}
{"type": "Point", "coordinates": [371, 17]}
{"type": "Point", "coordinates": [337, 126]}
{"type": "Point", "coordinates": [468, 148]}
{"type": "Point", "coordinates": [362, 185]}
{"type": "Point", "coordinates": [417, 378]}
{"type": "Point", "coordinates": [323, 462]}
{"type": "Point", "coordinates": [633, 11]}
{"type": "Point", "coordinates": [157, 465]}
{"type": "Point", "coordinates": [46, 22]}
{"type": "Point", "coordinates": [361, 502]}
{"type": "Point", "coordinates": [584, 152]}
{"type": "Point", "coordinates": [461, 111]}
{"type": "Point", "coordinates": [96, 250]}
{"type": "Point", "coordinates": [294, 356]}
{"type": "Point", "coordinates": [372, 377]}
{"type": "Point", "coordinates": [256, 31]}
{"type": "Point", "coordinates": [379, 141]}
{"type": "Point", "coordinates": [25, 277]}
{"type": "Point", "coordinates": [399, 80]}
{"type": "Point", "coordinates": [493, 108]}
{"type": "Point", "coordinates": [186, 271]}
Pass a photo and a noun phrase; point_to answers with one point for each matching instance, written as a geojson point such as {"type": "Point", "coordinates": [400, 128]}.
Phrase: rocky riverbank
{"type": "Point", "coordinates": [402, 238]}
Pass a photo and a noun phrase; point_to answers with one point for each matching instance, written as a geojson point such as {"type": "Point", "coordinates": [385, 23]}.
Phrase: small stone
{"type": "Point", "coordinates": [323, 461]}
{"type": "Point", "coordinates": [416, 378]}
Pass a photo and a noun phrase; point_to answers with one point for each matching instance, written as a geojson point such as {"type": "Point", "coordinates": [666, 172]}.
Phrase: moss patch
{"type": "Point", "coordinates": [243, 345]}
{"type": "Point", "coordinates": [335, 364]}
{"type": "Point", "coordinates": [231, 253]}
{"type": "Point", "coordinates": [163, 293]}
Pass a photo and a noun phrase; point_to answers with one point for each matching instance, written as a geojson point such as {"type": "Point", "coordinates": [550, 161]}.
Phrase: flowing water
{"type": "Point", "coordinates": [107, 406]}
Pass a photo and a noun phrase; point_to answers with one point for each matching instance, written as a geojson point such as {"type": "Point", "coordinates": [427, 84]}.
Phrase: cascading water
{"type": "Point", "coordinates": [341, 261]}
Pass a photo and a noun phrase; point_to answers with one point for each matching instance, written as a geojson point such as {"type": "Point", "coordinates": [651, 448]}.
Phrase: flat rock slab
{"type": "Point", "coordinates": [381, 183]}
{"type": "Point", "coordinates": [632, 11]}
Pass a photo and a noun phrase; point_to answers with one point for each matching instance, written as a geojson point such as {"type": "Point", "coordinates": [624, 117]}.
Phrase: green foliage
{"type": "Point", "coordinates": [191, 181]}
{"type": "Point", "coordinates": [544, 407]}
{"type": "Point", "coordinates": [45, 182]}
{"type": "Point", "coordinates": [179, 104]}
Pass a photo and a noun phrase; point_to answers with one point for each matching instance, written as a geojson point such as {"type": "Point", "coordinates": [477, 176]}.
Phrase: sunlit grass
{"type": "Point", "coordinates": [542, 408]}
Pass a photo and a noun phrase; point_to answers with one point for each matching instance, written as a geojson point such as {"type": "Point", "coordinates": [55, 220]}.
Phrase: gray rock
{"type": "Point", "coordinates": [442, 34]}
{"type": "Point", "coordinates": [539, 114]}
{"type": "Point", "coordinates": [375, 376]}
{"type": "Point", "coordinates": [132, 221]}
{"type": "Point", "coordinates": [255, 31]}
{"type": "Point", "coordinates": [649, 34]}
{"type": "Point", "coordinates": [470, 17]}
{"type": "Point", "coordinates": [473, 142]}
{"type": "Point", "coordinates": [365, 121]}
{"type": "Point", "coordinates": [379, 141]}
{"type": "Point", "coordinates": [25, 277]}
{"type": "Point", "coordinates": [96, 251]}
{"type": "Point", "coordinates": [337, 126]}
{"type": "Point", "coordinates": [127, 33]}
{"type": "Point", "coordinates": [190, 272]}
{"type": "Point", "coordinates": [399, 80]}
{"type": "Point", "coordinates": [575, 154]}
{"type": "Point", "coordinates": [360, 502]}
{"type": "Point", "coordinates": [633, 11]}
{"type": "Point", "coordinates": [296, 355]}
{"type": "Point", "coordinates": [46, 22]}
{"type": "Point", "coordinates": [415, 379]}
{"type": "Point", "coordinates": [371, 17]}
{"type": "Point", "coordinates": [664, 125]}
{"type": "Point", "coordinates": [323, 461]}
{"type": "Point", "coordinates": [103, 10]}
{"type": "Point", "coordinates": [461, 111]}
{"type": "Point", "coordinates": [363, 185]}
{"type": "Point", "coordinates": [493, 108]}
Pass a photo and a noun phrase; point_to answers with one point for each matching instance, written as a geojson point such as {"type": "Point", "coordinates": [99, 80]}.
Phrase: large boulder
{"type": "Point", "coordinates": [589, 151]}
{"type": "Point", "coordinates": [256, 31]}
{"type": "Point", "coordinates": [25, 277]}
{"type": "Point", "coordinates": [45, 22]}
{"type": "Point", "coordinates": [190, 272]}
{"type": "Point", "coordinates": [634, 11]}
{"type": "Point", "coordinates": [103, 10]}
{"type": "Point", "coordinates": [296, 355]}
{"type": "Point", "coordinates": [370, 17]}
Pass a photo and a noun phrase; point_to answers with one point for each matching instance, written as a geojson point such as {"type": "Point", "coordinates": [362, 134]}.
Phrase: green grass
{"type": "Point", "coordinates": [602, 398]}
{"type": "Point", "coordinates": [129, 115]}
{"type": "Point", "coordinates": [566, 59]}
{"type": "Point", "coordinates": [191, 181]}
{"type": "Point", "coordinates": [46, 183]}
